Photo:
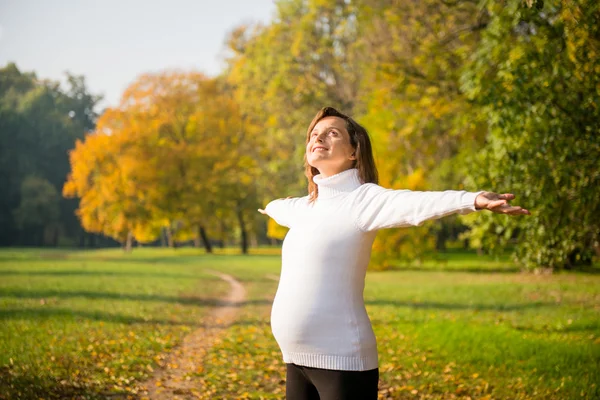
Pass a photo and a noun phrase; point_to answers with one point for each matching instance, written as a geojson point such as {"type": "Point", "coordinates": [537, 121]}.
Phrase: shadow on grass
{"type": "Point", "coordinates": [475, 270]}
{"type": "Point", "coordinates": [134, 259]}
{"type": "Point", "coordinates": [101, 273]}
{"type": "Point", "coordinates": [174, 259]}
{"type": "Point", "coordinates": [23, 255]}
{"type": "Point", "coordinates": [216, 302]}
{"type": "Point", "coordinates": [19, 386]}
{"type": "Point", "coordinates": [454, 306]}
{"type": "Point", "coordinates": [185, 299]}
{"type": "Point", "coordinates": [594, 327]}
{"type": "Point", "coordinates": [42, 313]}
{"type": "Point", "coordinates": [479, 270]}
{"type": "Point", "coordinates": [251, 323]}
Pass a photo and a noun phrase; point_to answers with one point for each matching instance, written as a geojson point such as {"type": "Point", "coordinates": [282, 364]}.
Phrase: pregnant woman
{"type": "Point", "coordinates": [318, 317]}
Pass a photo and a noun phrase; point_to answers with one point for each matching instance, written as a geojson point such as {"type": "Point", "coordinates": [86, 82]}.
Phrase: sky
{"type": "Point", "coordinates": [111, 42]}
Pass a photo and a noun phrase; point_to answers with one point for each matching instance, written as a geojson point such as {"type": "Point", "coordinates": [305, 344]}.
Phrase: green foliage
{"type": "Point", "coordinates": [39, 123]}
{"type": "Point", "coordinates": [285, 72]}
{"type": "Point", "coordinates": [382, 62]}
{"type": "Point", "coordinates": [536, 75]}
{"type": "Point", "coordinates": [39, 203]}
{"type": "Point", "coordinates": [456, 95]}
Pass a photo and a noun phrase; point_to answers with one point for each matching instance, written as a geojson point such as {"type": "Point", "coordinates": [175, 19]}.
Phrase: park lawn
{"type": "Point", "coordinates": [441, 333]}
{"type": "Point", "coordinates": [444, 335]}
{"type": "Point", "coordinates": [499, 335]}
{"type": "Point", "coordinates": [83, 323]}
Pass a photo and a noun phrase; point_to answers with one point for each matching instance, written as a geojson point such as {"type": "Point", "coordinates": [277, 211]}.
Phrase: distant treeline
{"type": "Point", "coordinates": [39, 123]}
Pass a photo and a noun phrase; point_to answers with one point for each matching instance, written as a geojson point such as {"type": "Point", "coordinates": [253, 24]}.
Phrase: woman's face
{"type": "Point", "coordinates": [329, 149]}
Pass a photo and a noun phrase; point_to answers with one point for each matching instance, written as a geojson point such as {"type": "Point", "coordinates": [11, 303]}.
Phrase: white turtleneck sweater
{"type": "Point", "coordinates": [318, 316]}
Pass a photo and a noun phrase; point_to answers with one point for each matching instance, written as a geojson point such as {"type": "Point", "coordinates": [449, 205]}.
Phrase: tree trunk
{"type": "Point", "coordinates": [202, 235]}
{"type": "Point", "coordinates": [55, 236]}
{"type": "Point", "coordinates": [244, 243]}
{"type": "Point", "coordinates": [92, 240]}
{"type": "Point", "coordinates": [440, 239]}
{"type": "Point", "coordinates": [82, 234]}
{"type": "Point", "coordinates": [170, 242]}
{"type": "Point", "coordinates": [163, 237]}
{"type": "Point", "coordinates": [40, 234]}
{"type": "Point", "coordinates": [223, 228]}
{"type": "Point", "coordinates": [129, 242]}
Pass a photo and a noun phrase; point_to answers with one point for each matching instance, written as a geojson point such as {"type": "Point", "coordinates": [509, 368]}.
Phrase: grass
{"type": "Point", "coordinates": [89, 323]}
{"type": "Point", "coordinates": [498, 335]}
{"type": "Point", "coordinates": [92, 324]}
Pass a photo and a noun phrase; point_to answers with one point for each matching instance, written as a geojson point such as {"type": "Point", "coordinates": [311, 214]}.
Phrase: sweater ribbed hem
{"type": "Point", "coordinates": [339, 363]}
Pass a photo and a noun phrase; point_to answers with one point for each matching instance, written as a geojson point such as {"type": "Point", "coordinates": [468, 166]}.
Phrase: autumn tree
{"type": "Point", "coordinates": [283, 73]}
{"type": "Point", "coordinates": [414, 109]}
{"type": "Point", "coordinates": [177, 157]}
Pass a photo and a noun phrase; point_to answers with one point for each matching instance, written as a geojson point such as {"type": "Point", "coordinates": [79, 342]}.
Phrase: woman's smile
{"type": "Point", "coordinates": [328, 146]}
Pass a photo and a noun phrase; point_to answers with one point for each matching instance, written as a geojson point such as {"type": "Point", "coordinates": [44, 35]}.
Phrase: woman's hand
{"type": "Point", "coordinates": [498, 203]}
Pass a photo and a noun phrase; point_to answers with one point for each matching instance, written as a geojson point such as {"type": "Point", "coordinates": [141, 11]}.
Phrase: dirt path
{"type": "Point", "coordinates": [173, 382]}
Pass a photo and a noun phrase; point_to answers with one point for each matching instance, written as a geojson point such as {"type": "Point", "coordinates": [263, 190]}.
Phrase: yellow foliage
{"type": "Point", "coordinates": [152, 160]}
{"type": "Point", "coordinates": [276, 231]}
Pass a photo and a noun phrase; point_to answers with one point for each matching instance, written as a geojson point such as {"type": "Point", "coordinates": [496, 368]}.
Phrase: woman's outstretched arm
{"type": "Point", "coordinates": [285, 211]}
{"type": "Point", "coordinates": [380, 208]}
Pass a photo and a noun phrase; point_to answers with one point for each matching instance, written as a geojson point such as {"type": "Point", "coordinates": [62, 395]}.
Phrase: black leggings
{"type": "Point", "coordinates": [308, 383]}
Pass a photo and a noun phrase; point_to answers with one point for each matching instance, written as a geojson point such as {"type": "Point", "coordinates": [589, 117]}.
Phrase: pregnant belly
{"type": "Point", "coordinates": [312, 326]}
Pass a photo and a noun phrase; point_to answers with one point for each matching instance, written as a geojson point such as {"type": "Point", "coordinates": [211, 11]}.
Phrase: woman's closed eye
{"type": "Point", "coordinates": [333, 133]}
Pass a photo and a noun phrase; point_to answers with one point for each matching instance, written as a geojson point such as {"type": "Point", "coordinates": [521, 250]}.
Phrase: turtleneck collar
{"type": "Point", "coordinates": [342, 182]}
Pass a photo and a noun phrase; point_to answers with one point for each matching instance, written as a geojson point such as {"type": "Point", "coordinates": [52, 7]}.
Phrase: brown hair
{"type": "Point", "coordinates": [359, 139]}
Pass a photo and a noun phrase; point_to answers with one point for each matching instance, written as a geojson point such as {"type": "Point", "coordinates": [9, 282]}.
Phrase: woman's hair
{"type": "Point", "coordinates": [359, 139]}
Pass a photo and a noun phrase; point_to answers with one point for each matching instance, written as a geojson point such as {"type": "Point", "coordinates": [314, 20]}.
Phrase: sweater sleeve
{"type": "Point", "coordinates": [285, 211]}
{"type": "Point", "coordinates": [379, 208]}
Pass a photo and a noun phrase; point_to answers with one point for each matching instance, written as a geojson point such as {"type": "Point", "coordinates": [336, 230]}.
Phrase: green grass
{"type": "Point", "coordinates": [504, 335]}
{"type": "Point", "coordinates": [83, 323]}
{"type": "Point", "coordinates": [95, 323]}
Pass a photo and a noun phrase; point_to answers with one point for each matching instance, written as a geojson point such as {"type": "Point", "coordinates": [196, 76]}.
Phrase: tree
{"type": "Point", "coordinates": [393, 65]}
{"type": "Point", "coordinates": [38, 210]}
{"type": "Point", "coordinates": [39, 122]}
{"type": "Point", "coordinates": [175, 157]}
{"type": "Point", "coordinates": [285, 72]}
{"type": "Point", "coordinates": [536, 76]}
{"type": "Point", "coordinates": [413, 107]}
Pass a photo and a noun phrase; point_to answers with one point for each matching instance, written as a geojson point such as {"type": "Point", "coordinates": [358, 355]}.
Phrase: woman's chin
{"type": "Point", "coordinates": [318, 165]}
{"type": "Point", "coordinates": [314, 163]}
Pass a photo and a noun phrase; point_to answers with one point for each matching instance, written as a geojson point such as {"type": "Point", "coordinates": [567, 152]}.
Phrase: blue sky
{"type": "Point", "coordinates": [113, 41]}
